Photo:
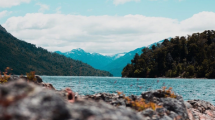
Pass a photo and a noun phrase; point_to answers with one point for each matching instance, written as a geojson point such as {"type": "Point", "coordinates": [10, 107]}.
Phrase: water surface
{"type": "Point", "coordinates": [203, 89]}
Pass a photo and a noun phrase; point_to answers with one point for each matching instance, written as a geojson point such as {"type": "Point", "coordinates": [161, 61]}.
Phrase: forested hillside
{"type": "Point", "coordinates": [24, 57]}
{"type": "Point", "coordinates": [187, 57]}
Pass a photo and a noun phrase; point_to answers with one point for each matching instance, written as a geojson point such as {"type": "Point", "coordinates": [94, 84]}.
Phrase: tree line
{"type": "Point", "coordinates": [192, 56]}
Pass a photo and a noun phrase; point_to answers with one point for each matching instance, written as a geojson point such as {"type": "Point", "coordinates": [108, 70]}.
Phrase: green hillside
{"type": "Point", "coordinates": [186, 57]}
{"type": "Point", "coordinates": [24, 57]}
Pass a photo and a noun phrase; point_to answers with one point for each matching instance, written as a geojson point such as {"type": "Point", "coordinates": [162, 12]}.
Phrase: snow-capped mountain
{"type": "Point", "coordinates": [96, 60]}
{"type": "Point", "coordinates": [114, 64]}
{"type": "Point", "coordinates": [116, 56]}
{"type": "Point", "coordinates": [118, 64]}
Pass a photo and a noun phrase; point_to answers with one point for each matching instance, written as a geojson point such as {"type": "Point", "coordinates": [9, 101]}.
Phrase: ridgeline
{"type": "Point", "coordinates": [24, 57]}
{"type": "Point", "coordinates": [185, 57]}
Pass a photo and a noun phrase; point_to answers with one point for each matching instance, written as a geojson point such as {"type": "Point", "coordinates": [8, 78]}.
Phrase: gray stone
{"type": "Point", "coordinates": [39, 79]}
{"type": "Point", "coordinates": [161, 111]}
{"type": "Point", "coordinates": [13, 78]}
{"type": "Point", "coordinates": [84, 110]}
{"type": "Point", "coordinates": [21, 100]}
{"type": "Point", "coordinates": [43, 105]}
{"type": "Point", "coordinates": [26, 101]}
{"type": "Point", "coordinates": [201, 110]}
{"type": "Point", "coordinates": [166, 118]}
{"type": "Point", "coordinates": [148, 112]}
{"type": "Point", "coordinates": [176, 106]}
{"type": "Point", "coordinates": [188, 105]}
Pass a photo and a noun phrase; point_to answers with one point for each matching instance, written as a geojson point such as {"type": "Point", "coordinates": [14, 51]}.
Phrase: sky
{"type": "Point", "coordinates": [104, 26]}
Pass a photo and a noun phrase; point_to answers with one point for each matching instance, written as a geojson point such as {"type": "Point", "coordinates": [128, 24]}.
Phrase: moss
{"type": "Point", "coordinates": [141, 104]}
{"type": "Point", "coordinates": [4, 79]}
{"type": "Point", "coordinates": [31, 76]}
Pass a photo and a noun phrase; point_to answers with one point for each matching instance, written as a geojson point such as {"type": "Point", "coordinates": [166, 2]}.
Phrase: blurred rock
{"type": "Point", "coordinates": [201, 110]}
{"type": "Point", "coordinates": [188, 105]}
{"type": "Point", "coordinates": [39, 79]}
{"type": "Point", "coordinates": [25, 101]}
{"type": "Point", "coordinates": [91, 110]}
{"type": "Point", "coordinates": [46, 85]}
{"type": "Point", "coordinates": [15, 77]}
{"type": "Point", "coordinates": [21, 100]}
{"type": "Point", "coordinates": [172, 108]}
{"type": "Point", "coordinates": [67, 94]}
{"type": "Point", "coordinates": [107, 97]}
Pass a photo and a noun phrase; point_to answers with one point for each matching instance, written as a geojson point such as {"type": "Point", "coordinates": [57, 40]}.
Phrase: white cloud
{"type": "Point", "coordinates": [43, 7]}
{"type": "Point", "coordinates": [3, 13]}
{"type": "Point", "coordinates": [58, 10]}
{"type": "Point", "coordinates": [117, 2]}
{"type": "Point", "coordinates": [10, 3]}
{"type": "Point", "coordinates": [102, 34]}
{"type": "Point", "coordinates": [199, 22]}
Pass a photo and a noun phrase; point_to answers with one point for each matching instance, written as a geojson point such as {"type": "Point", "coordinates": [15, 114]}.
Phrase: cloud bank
{"type": "Point", "coordinates": [43, 7]}
{"type": "Point", "coordinates": [117, 2]}
{"type": "Point", "coordinates": [102, 34]}
{"type": "Point", "coordinates": [10, 3]}
{"type": "Point", "coordinates": [3, 13]}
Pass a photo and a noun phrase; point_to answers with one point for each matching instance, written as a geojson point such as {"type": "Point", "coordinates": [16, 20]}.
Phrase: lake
{"type": "Point", "coordinates": [190, 89]}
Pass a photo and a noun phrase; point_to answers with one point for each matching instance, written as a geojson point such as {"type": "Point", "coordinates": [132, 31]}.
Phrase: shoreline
{"type": "Point", "coordinates": [117, 77]}
{"type": "Point", "coordinates": [149, 105]}
{"type": "Point", "coordinates": [42, 100]}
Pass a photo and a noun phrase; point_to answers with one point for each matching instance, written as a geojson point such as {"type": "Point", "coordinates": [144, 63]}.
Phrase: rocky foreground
{"type": "Point", "coordinates": [21, 100]}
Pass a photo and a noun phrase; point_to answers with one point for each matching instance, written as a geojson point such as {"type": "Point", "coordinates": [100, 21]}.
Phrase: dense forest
{"type": "Point", "coordinates": [24, 57]}
{"type": "Point", "coordinates": [186, 57]}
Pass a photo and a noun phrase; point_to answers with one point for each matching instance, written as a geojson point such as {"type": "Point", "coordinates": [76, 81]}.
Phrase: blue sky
{"type": "Point", "coordinates": [104, 26]}
{"type": "Point", "coordinates": [176, 9]}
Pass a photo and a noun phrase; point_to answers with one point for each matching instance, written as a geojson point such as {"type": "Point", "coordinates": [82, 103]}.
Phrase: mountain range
{"type": "Point", "coordinates": [24, 57]}
{"type": "Point", "coordinates": [113, 64]}
{"type": "Point", "coordinates": [96, 60]}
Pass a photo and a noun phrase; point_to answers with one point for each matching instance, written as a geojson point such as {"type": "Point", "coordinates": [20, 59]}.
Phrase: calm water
{"type": "Point", "coordinates": [203, 89]}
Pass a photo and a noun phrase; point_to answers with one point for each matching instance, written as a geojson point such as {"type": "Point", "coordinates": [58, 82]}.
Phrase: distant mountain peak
{"type": "Point", "coordinates": [78, 49]}
{"type": "Point", "coordinates": [2, 29]}
{"type": "Point", "coordinates": [118, 55]}
{"type": "Point", "coordinates": [112, 63]}
{"type": "Point", "coordinates": [95, 53]}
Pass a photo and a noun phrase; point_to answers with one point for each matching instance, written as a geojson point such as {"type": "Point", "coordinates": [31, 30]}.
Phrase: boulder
{"type": "Point", "coordinates": [107, 97]}
{"type": "Point", "coordinates": [21, 100]}
{"type": "Point", "coordinates": [47, 86]}
{"type": "Point", "coordinates": [15, 77]}
{"type": "Point", "coordinates": [92, 110]}
{"type": "Point", "coordinates": [172, 107]}
{"type": "Point", "coordinates": [201, 110]}
{"type": "Point", "coordinates": [67, 94]}
{"type": "Point", "coordinates": [39, 79]}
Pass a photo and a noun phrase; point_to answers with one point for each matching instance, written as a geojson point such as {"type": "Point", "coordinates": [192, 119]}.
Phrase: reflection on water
{"type": "Point", "coordinates": [189, 88]}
